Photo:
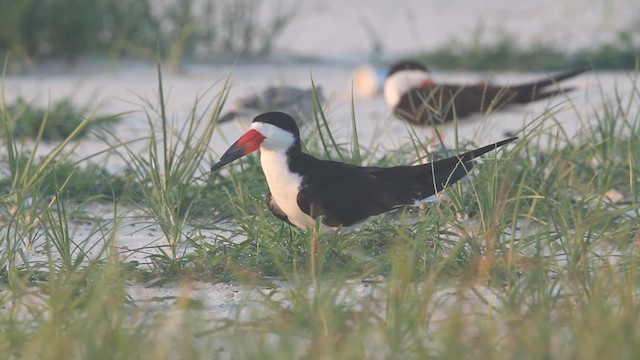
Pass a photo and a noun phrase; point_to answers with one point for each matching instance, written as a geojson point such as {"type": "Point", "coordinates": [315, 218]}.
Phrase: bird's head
{"type": "Point", "coordinates": [402, 77]}
{"type": "Point", "coordinates": [274, 131]}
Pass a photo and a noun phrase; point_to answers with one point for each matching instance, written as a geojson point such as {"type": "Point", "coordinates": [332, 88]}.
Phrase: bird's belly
{"type": "Point", "coordinates": [284, 186]}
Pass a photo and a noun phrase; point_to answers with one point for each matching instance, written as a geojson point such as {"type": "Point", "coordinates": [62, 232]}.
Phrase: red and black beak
{"type": "Point", "coordinates": [248, 143]}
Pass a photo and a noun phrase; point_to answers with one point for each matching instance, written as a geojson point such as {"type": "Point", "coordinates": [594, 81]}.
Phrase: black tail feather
{"type": "Point", "coordinates": [448, 171]}
{"type": "Point", "coordinates": [534, 91]}
{"type": "Point", "coordinates": [429, 179]}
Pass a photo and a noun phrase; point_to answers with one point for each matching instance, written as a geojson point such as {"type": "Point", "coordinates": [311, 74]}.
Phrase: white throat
{"type": "Point", "coordinates": [400, 82]}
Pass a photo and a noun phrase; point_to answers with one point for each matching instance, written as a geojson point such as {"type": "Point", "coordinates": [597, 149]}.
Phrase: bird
{"type": "Point", "coordinates": [415, 98]}
{"type": "Point", "coordinates": [303, 188]}
{"type": "Point", "coordinates": [285, 98]}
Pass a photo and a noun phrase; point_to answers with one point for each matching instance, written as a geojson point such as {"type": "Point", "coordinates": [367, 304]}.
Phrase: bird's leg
{"type": "Point", "coordinates": [437, 137]}
{"type": "Point", "coordinates": [314, 242]}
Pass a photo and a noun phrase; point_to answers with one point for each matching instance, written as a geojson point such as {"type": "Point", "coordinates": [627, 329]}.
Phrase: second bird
{"type": "Point", "coordinates": [414, 97]}
{"type": "Point", "coordinates": [288, 99]}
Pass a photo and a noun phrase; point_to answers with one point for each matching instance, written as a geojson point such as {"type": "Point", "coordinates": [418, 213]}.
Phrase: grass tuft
{"type": "Point", "coordinates": [57, 122]}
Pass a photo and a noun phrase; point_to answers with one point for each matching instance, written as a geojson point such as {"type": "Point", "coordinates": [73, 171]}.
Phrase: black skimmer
{"type": "Point", "coordinates": [409, 91]}
{"type": "Point", "coordinates": [288, 99]}
{"type": "Point", "coordinates": [303, 188]}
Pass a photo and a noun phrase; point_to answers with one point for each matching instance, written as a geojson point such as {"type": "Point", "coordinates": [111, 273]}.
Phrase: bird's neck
{"type": "Point", "coordinates": [284, 185]}
{"type": "Point", "coordinates": [274, 164]}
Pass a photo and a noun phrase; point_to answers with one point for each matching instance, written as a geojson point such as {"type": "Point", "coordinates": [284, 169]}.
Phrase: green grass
{"type": "Point", "coordinates": [56, 122]}
{"type": "Point", "coordinates": [544, 267]}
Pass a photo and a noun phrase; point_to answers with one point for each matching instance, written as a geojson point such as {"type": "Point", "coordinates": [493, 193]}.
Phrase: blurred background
{"type": "Point", "coordinates": [455, 34]}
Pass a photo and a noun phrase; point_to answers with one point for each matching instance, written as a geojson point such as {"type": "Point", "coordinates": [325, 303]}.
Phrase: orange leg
{"type": "Point", "coordinates": [437, 136]}
{"type": "Point", "coordinates": [314, 242]}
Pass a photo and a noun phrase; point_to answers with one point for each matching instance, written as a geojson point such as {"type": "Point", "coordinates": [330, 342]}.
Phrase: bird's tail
{"type": "Point", "coordinates": [470, 155]}
{"type": "Point", "coordinates": [534, 91]}
{"type": "Point", "coordinates": [448, 171]}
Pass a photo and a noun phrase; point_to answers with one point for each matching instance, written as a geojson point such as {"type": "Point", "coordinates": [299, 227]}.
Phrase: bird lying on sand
{"type": "Point", "coordinates": [303, 188]}
{"type": "Point", "coordinates": [415, 98]}
{"type": "Point", "coordinates": [288, 99]}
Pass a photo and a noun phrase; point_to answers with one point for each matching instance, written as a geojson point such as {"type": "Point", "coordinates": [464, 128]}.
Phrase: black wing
{"type": "Point", "coordinates": [346, 194]}
{"type": "Point", "coordinates": [436, 104]}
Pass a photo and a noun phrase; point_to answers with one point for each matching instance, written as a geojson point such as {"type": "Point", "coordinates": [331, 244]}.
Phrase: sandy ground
{"type": "Point", "coordinates": [347, 32]}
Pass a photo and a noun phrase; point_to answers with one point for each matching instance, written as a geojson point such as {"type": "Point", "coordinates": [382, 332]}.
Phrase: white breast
{"type": "Point", "coordinates": [284, 186]}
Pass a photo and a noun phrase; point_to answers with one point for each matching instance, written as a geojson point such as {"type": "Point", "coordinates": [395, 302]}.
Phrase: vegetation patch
{"type": "Point", "coordinates": [506, 52]}
{"type": "Point", "coordinates": [33, 30]}
{"type": "Point", "coordinates": [57, 122]}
